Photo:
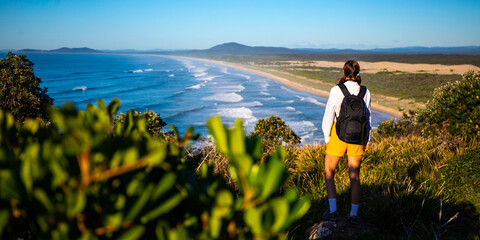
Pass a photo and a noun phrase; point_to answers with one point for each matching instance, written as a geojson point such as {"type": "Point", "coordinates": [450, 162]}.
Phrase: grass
{"type": "Point", "coordinates": [402, 194]}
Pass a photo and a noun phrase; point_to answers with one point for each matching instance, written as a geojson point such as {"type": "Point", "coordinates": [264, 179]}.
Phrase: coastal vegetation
{"type": "Point", "coordinates": [420, 85]}
{"type": "Point", "coordinates": [96, 174]}
{"type": "Point", "coordinates": [21, 94]}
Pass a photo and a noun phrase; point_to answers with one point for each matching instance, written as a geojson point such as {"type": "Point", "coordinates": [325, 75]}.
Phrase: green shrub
{"type": "Point", "coordinates": [398, 128]}
{"type": "Point", "coordinates": [20, 92]}
{"type": "Point", "coordinates": [454, 109]}
{"type": "Point", "coordinates": [155, 123]}
{"type": "Point", "coordinates": [81, 177]}
{"type": "Point", "coordinates": [274, 132]}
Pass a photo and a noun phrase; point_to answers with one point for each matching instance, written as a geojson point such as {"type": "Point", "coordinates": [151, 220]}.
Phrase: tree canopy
{"type": "Point", "coordinates": [20, 92]}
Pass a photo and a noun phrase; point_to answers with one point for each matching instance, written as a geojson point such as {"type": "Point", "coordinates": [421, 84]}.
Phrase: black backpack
{"type": "Point", "coordinates": [352, 121]}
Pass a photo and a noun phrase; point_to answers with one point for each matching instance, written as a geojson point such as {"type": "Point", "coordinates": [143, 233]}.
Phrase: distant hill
{"type": "Point", "coordinates": [60, 50]}
{"type": "Point", "coordinates": [469, 50]}
{"type": "Point", "coordinates": [156, 50]}
{"type": "Point", "coordinates": [233, 48]}
{"type": "Point", "coordinates": [236, 48]}
{"type": "Point", "coordinates": [434, 55]}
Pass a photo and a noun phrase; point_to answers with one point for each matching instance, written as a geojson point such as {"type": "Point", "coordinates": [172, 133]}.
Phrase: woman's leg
{"type": "Point", "coordinates": [354, 173]}
{"type": "Point", "coordinates": [330, 166]}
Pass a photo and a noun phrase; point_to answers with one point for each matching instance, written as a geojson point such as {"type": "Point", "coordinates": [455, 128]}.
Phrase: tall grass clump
{"type": "Point", "coordinates": [461, 175]}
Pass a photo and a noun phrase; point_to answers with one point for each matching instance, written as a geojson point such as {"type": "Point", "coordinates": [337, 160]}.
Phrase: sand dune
{"type": "Point", "coordinates": [374, 67]}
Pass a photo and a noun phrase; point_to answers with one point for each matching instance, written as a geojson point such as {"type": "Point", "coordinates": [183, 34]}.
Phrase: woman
{"type": "Point", "coordinates": [337, 148]}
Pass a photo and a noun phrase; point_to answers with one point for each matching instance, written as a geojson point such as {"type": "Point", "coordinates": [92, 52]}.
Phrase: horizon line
{"type": "Point", "coordinates": [189, 49]}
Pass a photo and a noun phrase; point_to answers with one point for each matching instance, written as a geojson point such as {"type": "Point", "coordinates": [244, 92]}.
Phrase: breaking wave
{"type": "Point", "coordinates": [224, 97]}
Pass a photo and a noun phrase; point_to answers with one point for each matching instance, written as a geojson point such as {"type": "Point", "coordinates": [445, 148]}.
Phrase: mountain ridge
{"type": "Point", "coordinates": [60, 50]}
{"type": "Point", "coordinates": [238, 49]}
{"type": "Point", "coordinates": [235, 48]}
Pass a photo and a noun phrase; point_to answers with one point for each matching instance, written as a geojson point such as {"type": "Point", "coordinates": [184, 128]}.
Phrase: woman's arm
{"type": "Point", "coordinates": [329, 116]}
{"type": "Point", "coordinates": [368, 102]}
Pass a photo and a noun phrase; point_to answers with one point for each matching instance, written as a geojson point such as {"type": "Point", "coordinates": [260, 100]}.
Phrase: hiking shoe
{"type": "Point", "coordinates": [327, 216]}
{"type": "Point", "coordinates": [353, 220]}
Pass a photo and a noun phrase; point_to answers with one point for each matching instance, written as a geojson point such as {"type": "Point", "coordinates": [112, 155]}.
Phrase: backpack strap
{"type": "Point", "coordinates": [363, 91]}
{"type": "Point", "coordinates": [361, 94]}
{"type": "Point", "coordinates": [344, 89]}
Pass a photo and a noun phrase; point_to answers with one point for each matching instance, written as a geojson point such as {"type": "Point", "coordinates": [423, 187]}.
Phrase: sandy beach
{"type": "Point", "coordinates": [287, 80]}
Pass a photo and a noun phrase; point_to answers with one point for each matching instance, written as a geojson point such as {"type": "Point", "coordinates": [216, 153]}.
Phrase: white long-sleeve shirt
{"type": "Point", "coordinates": [334, 104]}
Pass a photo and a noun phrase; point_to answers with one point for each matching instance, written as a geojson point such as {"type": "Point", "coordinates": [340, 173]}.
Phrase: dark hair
{"type": "Point", "coordinates": [351, 69]}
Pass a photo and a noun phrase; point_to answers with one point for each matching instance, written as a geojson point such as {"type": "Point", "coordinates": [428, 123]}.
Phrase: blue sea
{"type": "Point", "coordinates": [183, 91]}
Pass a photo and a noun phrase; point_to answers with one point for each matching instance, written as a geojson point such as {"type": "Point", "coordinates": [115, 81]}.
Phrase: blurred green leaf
{"type": "Point", "coordinates": [130, 155]}
{"type": "Point", "coordinates": [300, 208]}
{"type": "Point", "coordinates": [253, 218]}
{"type": "Point", "coordinates": [280, 209]}
{"type": "Point", "coordinates": [237, 139]}
{"type": "Point", "coordinates": [31, 125]}
{"type": "Point", "coordinates": [291, 195]}
{"type": "Point", "coordinates": [120, 203]}
{"type": "Point", "coordinates": [113, 107]}
{"type": "Point", "coordinates": [8, 186]}
{"type": "Point", "coordinates": [76, 201]}
{"type": "Point", "coordinates": [140, 203]}
{"type": "Point", "coordinates": [29, 166]}
{"type": "Point", "coordinates": [115, 219]}
{"type": "Point", "coordinates": [4, 218]}
{"type": "Point", "coordinates": [273, 175]}
{"type": "Point", "coordinates": [222, 209]}
{"type": "Point", "coordinates": [157, 154]}
{"type": "Point", "coordinates": [242, 162]}
{"type": "Point", "coordinates": [215, 225]}
{"type": "Point", "coordinates": [132, 233]}
{"type": "Point", "coordinates": [167, 182]}
{"type": "Point", "coordinates": [101, 105]}
{"type": "Point", "coordinates": [254, 146]}
{"type": "Point", "coordinates": [219, 133]}
{"type": "Point", "coordinates": [42, 197]}
{"type": "Point", "coordinates": [166, 206]}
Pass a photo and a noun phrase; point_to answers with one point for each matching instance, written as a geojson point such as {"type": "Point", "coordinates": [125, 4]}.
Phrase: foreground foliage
{"type": "Point", "coordinates": [20, 91]}
{"type": "Point", "coordinates": [83, 177]}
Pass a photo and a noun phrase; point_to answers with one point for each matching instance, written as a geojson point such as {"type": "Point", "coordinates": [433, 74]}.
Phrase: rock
{"type": "Point", "coordinates": [341, 229]}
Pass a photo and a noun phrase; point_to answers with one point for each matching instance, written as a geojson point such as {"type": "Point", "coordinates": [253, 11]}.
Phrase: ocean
{"type": "Point", "coordinates": [184, 92]}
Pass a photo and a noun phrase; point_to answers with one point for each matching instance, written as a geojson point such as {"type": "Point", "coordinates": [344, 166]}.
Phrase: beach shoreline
{"type": "Point", "coordinates": [289, 83]}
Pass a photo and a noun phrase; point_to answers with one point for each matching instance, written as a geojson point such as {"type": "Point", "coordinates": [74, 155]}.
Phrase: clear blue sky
{"type": "Point", "coordinates": [187, 24]}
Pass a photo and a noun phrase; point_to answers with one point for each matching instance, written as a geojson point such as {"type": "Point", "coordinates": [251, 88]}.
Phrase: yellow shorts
{"type": "Point", "coordinates": [337, 147]}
